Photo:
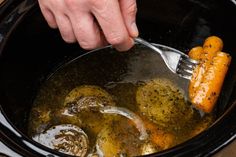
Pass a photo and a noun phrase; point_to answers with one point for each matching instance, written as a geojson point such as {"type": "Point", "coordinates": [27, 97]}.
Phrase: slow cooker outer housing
{"type": "Point", "coordinates": [29, 46]}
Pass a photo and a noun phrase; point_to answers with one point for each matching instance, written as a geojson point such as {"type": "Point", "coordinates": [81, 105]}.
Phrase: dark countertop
{"type": "Point", "coordinates": [228, 151]}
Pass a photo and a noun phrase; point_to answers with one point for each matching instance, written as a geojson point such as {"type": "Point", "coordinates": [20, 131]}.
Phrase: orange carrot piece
{"type": "Point", "coordinates": [162, 139]}
{"type": "Point", "coordinates": [196, 52]}
{"type": "Point", "coordinates": [211, 46]}
{"type": "Point", "coordinates": [157, 136]}
{"type": "Point", "coordinates": [209, 89]}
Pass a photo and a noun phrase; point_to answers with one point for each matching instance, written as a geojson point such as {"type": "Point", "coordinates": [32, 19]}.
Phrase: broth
{"type": "Point", "coordinates": [127, 112]}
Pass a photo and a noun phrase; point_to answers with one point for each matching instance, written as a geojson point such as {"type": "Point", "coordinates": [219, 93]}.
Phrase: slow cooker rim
{"type": "Point", "coordinates": [159, 154]}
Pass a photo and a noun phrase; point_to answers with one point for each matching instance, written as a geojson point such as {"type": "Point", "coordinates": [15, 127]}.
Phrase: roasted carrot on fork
{"type": "Point", "coordinates": [208, 77]}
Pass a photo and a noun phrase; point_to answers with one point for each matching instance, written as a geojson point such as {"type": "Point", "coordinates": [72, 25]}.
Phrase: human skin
{"type": "Point", "coordinates": [93, 23]}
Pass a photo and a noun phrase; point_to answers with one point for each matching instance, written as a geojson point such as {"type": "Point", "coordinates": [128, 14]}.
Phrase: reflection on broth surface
{"type": "Point", "coordinates": [86, 113]}
{"type": "Point", "coordinates": [163, 122]}
{"type": "Point", "coordinates": [65, 138]}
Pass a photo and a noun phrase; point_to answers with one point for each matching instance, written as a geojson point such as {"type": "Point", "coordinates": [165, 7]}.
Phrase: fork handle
{"type": "Point", "coordinates": [148, 44]}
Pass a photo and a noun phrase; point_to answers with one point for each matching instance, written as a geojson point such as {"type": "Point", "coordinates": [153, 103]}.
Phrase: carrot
{"type": "Point", "coordinates": [162, 139]}
{"type": "Point", "coordinates": [211, 46]}
{"type": "Point", "coordinates": [209, 89]}
{"type": "Point", "coordinates": [196, 52]}
{"type": "Point", "coordinates": [156, 135]}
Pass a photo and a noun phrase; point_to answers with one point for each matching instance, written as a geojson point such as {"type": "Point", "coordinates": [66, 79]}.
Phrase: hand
{"type": "Point", "coordinates": [93, 23]}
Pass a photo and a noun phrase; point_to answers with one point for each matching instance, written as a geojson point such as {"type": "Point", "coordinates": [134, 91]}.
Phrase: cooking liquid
{"type": "Point", "coordinates": [116, 131]}
{"type": "Point", "coordinates": [122, 132]}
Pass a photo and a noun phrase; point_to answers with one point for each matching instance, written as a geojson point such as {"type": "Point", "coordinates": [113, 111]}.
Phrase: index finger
{"type": "Point", "coordinates": [109, 17]}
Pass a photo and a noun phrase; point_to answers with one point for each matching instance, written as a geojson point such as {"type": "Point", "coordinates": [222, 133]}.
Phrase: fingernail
{"type": "Point", "coordinates": [134, 29]}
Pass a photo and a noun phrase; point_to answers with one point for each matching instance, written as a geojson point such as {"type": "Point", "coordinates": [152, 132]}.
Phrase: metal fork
{"type": "Point", "coordinates": [178, 62]}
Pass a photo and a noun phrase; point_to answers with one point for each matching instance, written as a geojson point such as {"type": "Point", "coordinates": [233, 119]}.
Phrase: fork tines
{"type": "Point", "coordinates": [186, 66]}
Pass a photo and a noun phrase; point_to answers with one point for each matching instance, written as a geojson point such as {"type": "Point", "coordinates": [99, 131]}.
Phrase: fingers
{"type": "Point", "coordinates": [65, 27]}
{"type": "Point", "coordinates": [87, 31]}
{"type": "Point", "coordinates": [129, 10]}
{"type": "Point", "coordinates": [48, 15]}
{"type": "Point", "coordinates": [56, 18]}
{"type": "Point", "coordinates": [108, 15]}
{"type": "Point", "coordinates": [114, 23]}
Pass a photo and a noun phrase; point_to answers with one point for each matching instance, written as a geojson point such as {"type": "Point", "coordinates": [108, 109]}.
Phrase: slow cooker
{"type": "Point", "coordinates": [30, 51]}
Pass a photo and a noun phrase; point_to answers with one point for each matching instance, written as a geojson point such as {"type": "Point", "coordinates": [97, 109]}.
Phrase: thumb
{"type": "Point", "coordinates": [129, 10]}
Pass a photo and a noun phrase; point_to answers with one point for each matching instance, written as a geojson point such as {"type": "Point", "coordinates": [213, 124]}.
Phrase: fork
{"type": "Point", "coordinates": [178, 62]}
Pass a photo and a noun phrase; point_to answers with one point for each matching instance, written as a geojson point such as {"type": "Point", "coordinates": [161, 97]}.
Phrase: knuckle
{"type": "Point", "coordinates": [68, 37]}
{"type": "Point", "coordinates": [52, 24]}
{"type": "Point", "coordinates": [98, 5]}
{"type": "Point", "coordinates": [71, 4]}
{"type": "Point", "coordinates": [87, 45]}
{"type": "Point", "coordinates": [69, 40]}
{"type": "Point", "coordinates": [116, 39]}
